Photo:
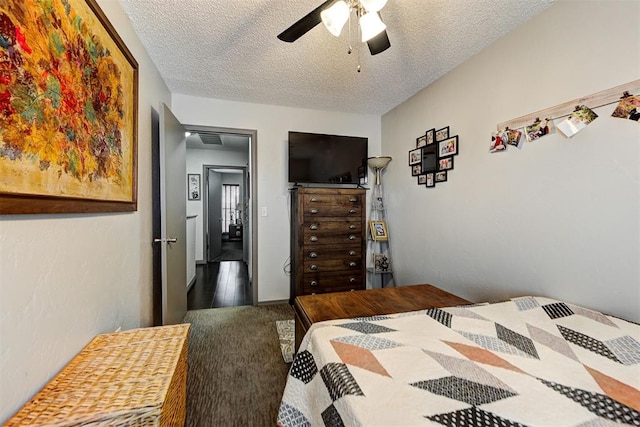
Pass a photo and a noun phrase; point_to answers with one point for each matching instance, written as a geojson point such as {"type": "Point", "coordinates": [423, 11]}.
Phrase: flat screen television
{"type": "Point", "coordinates": [327, 159]}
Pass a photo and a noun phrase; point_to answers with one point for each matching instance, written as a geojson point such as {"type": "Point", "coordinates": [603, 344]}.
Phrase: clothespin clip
{"type": "Point", "coordinates": [537, 120]}
{"type": "Point", "coordinates": [578, 108]}
{"type": "Point", "coordinates": [626, 94]}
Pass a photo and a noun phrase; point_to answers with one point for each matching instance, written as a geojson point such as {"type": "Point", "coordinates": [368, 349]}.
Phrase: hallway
{"type": "Point", "coordinates": [220, 284]}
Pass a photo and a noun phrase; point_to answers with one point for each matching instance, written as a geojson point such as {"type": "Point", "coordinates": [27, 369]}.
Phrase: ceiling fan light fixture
{"type": "Point", "coordinates": [371, 25]}
{"type": "Point", "coordinates": [373, 5]}
{"type": "Point", "coordinates": [335, 17]}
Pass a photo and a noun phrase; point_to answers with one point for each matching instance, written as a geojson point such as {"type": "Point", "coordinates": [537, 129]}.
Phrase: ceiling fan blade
{"type": "Point", "coordinates": [305, 24]}
{"type": "Point", "coordinates": [379, 43]}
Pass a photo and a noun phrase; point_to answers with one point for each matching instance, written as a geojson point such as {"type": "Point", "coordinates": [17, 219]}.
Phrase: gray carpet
{"type": "Point", "coordinates": [236, 373]}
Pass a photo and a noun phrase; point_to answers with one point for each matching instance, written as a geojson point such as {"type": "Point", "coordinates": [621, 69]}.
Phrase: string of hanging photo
{"type": "Point", "coordinates": [571, 117]}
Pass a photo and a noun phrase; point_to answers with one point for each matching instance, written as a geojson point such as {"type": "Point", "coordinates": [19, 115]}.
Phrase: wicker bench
{"type": "Point", "coordinates": [136, 377]}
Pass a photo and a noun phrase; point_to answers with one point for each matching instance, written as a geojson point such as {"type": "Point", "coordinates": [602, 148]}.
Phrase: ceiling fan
{"type": "Point", "coordinates": [335, 13]}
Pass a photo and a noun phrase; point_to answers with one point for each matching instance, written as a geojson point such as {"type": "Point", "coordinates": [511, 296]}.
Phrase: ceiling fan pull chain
{"type": "Point", "coordinates": [350, 49]}
{"type": "Point", "coordinates": [358, 12]}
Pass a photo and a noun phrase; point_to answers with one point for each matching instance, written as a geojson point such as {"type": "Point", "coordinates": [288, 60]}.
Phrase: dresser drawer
{"type": "Point", "coordinates": [345, 252]}
{"type": "Point", "coordinates": [310, 200]}
{"type": "Point", "coordinates": [311, 239]}
{"type": "Point", "coordinates": [315, 213]}
{"type": "Point", "coordinates": [332, 227]}
{"type": "Point", "coordinates": [332, 282]}
{"type": "Point", "coordinates": [338, 264]}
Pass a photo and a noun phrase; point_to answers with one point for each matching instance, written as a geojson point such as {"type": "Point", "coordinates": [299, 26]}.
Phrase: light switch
{"type": "Point", "coordinates": [264, 211]}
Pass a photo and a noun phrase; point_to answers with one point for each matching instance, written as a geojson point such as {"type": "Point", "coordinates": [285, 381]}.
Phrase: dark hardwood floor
{"type": "Point", "coordinates": [220, 284]}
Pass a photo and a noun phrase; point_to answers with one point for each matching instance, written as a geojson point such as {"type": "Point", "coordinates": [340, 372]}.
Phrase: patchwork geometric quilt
{"type": "Point", "coordinates": [528, 361]}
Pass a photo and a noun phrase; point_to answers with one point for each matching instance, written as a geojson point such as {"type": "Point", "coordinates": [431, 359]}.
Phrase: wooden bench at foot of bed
{"type": "Point", "coordinates": [310, 309]}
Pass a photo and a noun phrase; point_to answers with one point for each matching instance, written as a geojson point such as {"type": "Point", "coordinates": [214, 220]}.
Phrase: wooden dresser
{"type": "Point", "coordinates": [327, 240]}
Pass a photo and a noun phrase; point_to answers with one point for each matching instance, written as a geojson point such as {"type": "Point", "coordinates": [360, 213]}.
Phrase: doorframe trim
{"type": "Point", "coordinates": [205, 199]}
{"type": "Point", "coordinates": [253, 192]}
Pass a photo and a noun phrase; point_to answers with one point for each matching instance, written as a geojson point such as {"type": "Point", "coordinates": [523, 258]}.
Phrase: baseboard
{"type": "Point", "coordinates": [273, 302]}
{"type": "Point", "coordinates": [191, 283]}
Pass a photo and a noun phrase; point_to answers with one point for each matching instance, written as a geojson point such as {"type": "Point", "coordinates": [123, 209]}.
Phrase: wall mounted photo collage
{"type": "Point", "coordinates": [628, 108]}
{"type": "Point", "coordinates": [432, 159]}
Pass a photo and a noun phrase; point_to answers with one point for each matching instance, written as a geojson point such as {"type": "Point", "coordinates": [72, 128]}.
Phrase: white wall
{"type": "Point", "coordinates": [273, 124]}
{"type": "Point", "coordinates": [66, 278]}
{"type": "Point", "coordinates": [560, 217]}
{"type": "Point", "coordinates": [196, 160]}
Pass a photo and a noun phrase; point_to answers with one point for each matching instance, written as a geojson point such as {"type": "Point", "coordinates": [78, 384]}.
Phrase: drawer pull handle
{"type": "Point", "coordinates": [353, 200]}
{"type": "Point", "coordinates": [313, 226]}
{"type": "Point", "coordinates": [313, 199]}
{"type": "Point", "coordinates": [352, 280]}
{"type": "Point", "coordinates": [352, 237]}
{"type": "Point", "coordinates": [313, 267]}
{"type": "Point", "coordinates": [314, 211]}
{"type": "Point", "coordinates": [313, 255]}
{"type": "Point", "coordinates": [314, 283]}
{"type": "Point", "coordinates": [352, 253]}
{"type": "Point", "coordinates": [314, 238]}
{"type": "Point", "coordinates": [352, 211]}
{"type": "Point", "coordinates": [352, 227]}
{"type": "Point", "coordinates": [352, 264]}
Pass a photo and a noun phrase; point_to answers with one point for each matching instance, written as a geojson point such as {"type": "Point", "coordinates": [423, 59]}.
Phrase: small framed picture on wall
{"type": "Point", "coordinates": [193, 186]}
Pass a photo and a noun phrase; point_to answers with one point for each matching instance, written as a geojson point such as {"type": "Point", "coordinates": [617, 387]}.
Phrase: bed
{"type": "Point", "coordinates": [526, 361]}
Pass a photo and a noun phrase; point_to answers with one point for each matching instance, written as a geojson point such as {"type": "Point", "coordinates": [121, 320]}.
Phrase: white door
{"type": "Point", "coordinates": [215, 215]}
{"type": "Point", "coordinates": [173, 207]}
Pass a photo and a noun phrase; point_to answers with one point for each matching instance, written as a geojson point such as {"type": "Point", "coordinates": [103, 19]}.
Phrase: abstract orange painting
{"type": "Point", "coordinates": [68, 110]}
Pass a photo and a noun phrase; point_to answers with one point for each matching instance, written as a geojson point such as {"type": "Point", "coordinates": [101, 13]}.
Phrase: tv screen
{"type": "Point", "coordinates": [327, 159]}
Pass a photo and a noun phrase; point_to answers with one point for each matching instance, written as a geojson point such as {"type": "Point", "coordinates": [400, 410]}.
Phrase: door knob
{"type": "Point", "coordinates": [167, 240]}
{"type": "Point", "coordinates": [352, 211]}
{"type": "Point", "coordinates": [352, 264]}
{"type": "Point", "coordinates": [314, 211]}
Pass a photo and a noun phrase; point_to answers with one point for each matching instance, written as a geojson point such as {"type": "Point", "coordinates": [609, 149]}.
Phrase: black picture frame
{"type": "Point", "coordinates": [416, 170]}
{"type": "Point", "coordinates": [422, 179]}
{"type": "Point", "coordinates": [442, 134]}
{"type": "Point", "coordinates": [445, 163]}
{"type": "Point", "coordinates": [431, 136]}
{"type": "Point", "coordinates": [415, 156]}
{"type": "Point", "coordinates": [193, 186]}
{"type": "Point", "coordinates": [448, 147]}
{"type": "Point", "coordinates": [440, 176]}
{"type": "Point", "coordinates": [429, 158]}
{"type": "Point", "coordinates": [430, 180]}
{"type": "Point", "coordinates": [421, 141]}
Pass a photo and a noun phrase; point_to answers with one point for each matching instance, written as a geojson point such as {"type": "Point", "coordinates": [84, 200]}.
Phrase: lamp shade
{"type": "Point", "coordinates": [371, 25]}
{"type": "Point", "coordinates": [373, 5]}
{"type": "Point", "coordinates": [335, 17]}
{"type": "Point", "coordinates": [379, 162]}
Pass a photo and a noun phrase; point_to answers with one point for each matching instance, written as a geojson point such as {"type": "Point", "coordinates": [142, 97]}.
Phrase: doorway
{"type": "Point", "coordinates": [226, 210]}
{"type": "Point", "coordinates": [227, 237]}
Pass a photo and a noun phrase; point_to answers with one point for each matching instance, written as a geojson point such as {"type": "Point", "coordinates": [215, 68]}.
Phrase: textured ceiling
{"type": "Point", "coordinates": [227, 49]}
